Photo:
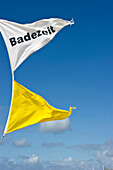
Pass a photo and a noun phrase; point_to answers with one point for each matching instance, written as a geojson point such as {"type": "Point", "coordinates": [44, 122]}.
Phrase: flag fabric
{"type": "Point", "coordinates": [29, 108]}
{"type": "Point", "coordinates": [21, 40]}
{"type": "Point", "coordinates": [24, 39]}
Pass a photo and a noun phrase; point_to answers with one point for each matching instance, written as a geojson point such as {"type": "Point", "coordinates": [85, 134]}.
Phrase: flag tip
{"type": "Point", "coordinates": [71, 22]}
{"type": "Point", "coordinates": [72, 108]}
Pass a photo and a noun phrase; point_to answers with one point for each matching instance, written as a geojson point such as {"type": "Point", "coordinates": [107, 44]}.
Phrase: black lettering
{"type": "Point", "coordinates": [34, 35]}
{"type": "Point", "coordinates": [52, 29]}
{"type": "Point", "coordinates": [39, 33]}
{"type": "Point", "coordinates": [20, 40]}
{"type": "Point", "coordinates": [12, 41]}
{"type": "Point", "coordinates": [27, 37]}
{"type": "Point", "coordinates": [49, 30]}
{"type": "Point", "coordinates": [45, 32]}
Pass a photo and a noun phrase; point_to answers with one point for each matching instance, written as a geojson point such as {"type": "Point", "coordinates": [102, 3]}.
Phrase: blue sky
{"type": "Point", "coordinates": [74, 69]}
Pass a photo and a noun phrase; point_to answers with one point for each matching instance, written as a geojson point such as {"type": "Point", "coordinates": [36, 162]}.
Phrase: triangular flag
{"type": "Point", "coordinates": [29, 108]}
{"type": "Point", "coordinates": [24, 39]}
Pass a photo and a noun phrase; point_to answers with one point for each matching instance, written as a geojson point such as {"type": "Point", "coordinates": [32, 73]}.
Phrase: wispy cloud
{"type": "Point", "coordinates": [21, 143]}
{"type": "Point", "coordinates": [90, 147]}
{"type": "Point", "coordinates": [34, 162]}
{"type": "Point", "coordinates": [55, 126]}
{"type": "Point", "coordinates": [52, 144]}
{"type": "Point", "coordinates": [105, 158]}
{"type": "Point", "coordinates": [98, 147]}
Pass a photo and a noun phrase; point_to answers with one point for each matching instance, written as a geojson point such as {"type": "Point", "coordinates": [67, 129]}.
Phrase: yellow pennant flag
{"type": "Point", "coordinates": [28, 108]}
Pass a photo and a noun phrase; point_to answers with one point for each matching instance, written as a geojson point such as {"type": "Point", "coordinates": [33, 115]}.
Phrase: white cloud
{"type": "Point", "coordinates": [31, 160]}
{"type": "Point", "coordinates": [68, 159]}
{"type": "Point", "coordinates": [21, 143]}
{"type": "Point", "coordinates": [55, 126]}
{"type": "Point", "coordinates": [109, 153]}
{"type": "Point", "coordinates": [12, 161]}
{"type": "Point", "coordinates": [105, 160]}
{"type": "Point", "coordinates": [70, 164]}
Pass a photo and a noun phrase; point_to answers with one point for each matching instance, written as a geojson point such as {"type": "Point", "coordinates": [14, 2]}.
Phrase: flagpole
{"type": "Point", "coordinates": [10, 106]}
{"type": "Point", "coordinates": [9, 109]}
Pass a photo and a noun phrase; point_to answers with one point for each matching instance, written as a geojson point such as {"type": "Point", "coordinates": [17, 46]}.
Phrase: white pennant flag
{"type": "Point", "coordinates": [24, 39]}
